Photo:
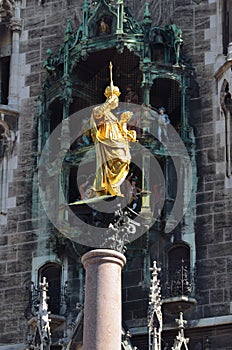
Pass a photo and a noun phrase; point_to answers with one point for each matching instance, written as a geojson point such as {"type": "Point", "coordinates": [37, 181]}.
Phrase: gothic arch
{"type": "Point", "coordinates": [52, 271]}
{"type": "Point", "coordinates": [178, 279]}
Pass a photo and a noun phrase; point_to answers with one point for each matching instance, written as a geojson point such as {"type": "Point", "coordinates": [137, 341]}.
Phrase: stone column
{"type": "Point", "coordinates": [102, 309]}
{"type": "Point", "coordinates": [16, 26]}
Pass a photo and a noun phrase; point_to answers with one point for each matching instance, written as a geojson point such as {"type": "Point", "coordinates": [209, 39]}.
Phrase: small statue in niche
{"type": "Point", "coordinates": [49, 63]}
{"type": "Point", "coordinates": [131, 96]}
{"type": "Point", "coordinates": [67, 91]}
{"type": "Point", "coordinates": [103, 28]}
{"type": "Point", "coordinates": [177, 42]}
{"type": "Point", "coordinates": [7, 139]}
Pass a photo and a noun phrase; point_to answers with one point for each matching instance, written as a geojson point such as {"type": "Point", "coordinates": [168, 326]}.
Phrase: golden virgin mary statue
{"type": "Point", "coordinates": [111, 138]}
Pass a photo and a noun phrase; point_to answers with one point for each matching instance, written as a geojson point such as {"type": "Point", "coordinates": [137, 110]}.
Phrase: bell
{"type": "Point", "coordinates": [158, 39]}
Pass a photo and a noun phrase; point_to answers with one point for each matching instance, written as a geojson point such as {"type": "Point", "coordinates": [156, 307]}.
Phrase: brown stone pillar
{"type": "Point", "coordinates": [102, 309]}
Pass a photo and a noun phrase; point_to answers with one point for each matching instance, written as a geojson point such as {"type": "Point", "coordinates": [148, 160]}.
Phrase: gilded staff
{"type": "Point", "coordinates": [111, 78]}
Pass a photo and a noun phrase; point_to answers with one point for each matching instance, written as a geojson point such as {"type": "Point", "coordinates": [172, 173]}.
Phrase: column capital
{"type": "Point", "coordinates": [103, 256]}
{"type": "Point", "coordinates": [16, 24]}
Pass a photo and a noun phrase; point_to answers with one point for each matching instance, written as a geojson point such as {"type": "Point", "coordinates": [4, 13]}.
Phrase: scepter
{"type": "Point", "coordinates": [111, 78]}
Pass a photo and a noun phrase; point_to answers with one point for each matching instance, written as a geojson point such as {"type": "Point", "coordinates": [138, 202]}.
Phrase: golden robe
{"type": "Point", "coordinates": [112, 152]}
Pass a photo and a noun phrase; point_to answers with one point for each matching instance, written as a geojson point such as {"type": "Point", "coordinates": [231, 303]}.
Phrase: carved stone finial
{"type": "Point", "coordinates": [180, 338]}
{"type": "Point", "coordinates": [155, 317]}
{"type": "Point", "coordinates": [147, 15]}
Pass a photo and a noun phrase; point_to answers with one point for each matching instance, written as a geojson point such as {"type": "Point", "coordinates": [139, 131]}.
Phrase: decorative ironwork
{"type": "Point", "coordinates": [120, 229]}
{"type": "Point", "coordinates": [178, 282]}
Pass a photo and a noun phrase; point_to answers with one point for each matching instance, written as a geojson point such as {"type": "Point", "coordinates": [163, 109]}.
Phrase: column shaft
{"type": "Point", "coordinates": [102, 309]}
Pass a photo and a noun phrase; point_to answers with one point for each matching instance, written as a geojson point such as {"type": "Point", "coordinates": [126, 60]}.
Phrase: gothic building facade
{"type": "Point", "coordinates": [54, 66]}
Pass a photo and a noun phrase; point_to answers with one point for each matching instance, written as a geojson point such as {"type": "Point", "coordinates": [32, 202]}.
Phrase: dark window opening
{"type": "Point", "coordinates": [4, 79]}
{"type": "Point", "coordinates": [171, 177]}
{"type": "Point", "coordinates": [52, 272]}
{"type": "Point", "coordinates": [73, 188]}
{"type": "Point", "coordinates": [170, 171]}
{"type": "Point", "coordinates": [92, 76]}
{"type": "Point", "coordinates": [226, 24]}
{"type": "Point", "coordinates": [56, 113]}
{"type": "Point", "coordinates": [166, 93]}
{"type": "Point", "coordinates": [53, 123]}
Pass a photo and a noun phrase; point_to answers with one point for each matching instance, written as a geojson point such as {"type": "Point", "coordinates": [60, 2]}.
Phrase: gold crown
{"type": "Point", "coordinates": [112, 91]}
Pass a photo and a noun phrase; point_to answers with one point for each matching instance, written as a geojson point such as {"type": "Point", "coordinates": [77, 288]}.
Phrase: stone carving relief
{"type": "Point", "coordinates": [6, 139]}
{"type": "Point", "coordinates": [7, 143]}
{"type": "Point", "coordinates": [7, 8]}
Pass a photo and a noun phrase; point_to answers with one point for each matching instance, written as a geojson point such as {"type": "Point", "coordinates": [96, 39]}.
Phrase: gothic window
{"type": "Point", "coordinates": [52, 272]}
{"type": "Point", "coordinates": [5, 52]}
{"type": "Point", "coordinates": [226, 24]}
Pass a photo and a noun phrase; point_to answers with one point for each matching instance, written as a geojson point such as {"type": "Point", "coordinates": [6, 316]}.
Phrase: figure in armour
{"type": "Point", "coordinates": [111, 138]}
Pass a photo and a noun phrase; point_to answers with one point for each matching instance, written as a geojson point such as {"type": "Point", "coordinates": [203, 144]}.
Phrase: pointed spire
{"type": "Point", "coordinates": [180, 339]}
{"type": "Point", "coordinates": [68, 31]}
{"type": "Point", "coordinates": [85, 17]}
{"type": "Point", "coordinates": [155, 317]}
{"type": "Point", "coordinates": [85, 5]}
{"type": "Point", "coordinates": [147, 15]}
